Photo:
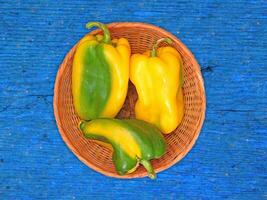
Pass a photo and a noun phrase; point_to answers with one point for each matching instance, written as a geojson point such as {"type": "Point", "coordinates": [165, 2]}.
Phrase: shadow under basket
{"type": "Point", "coordinates": [141, 37]}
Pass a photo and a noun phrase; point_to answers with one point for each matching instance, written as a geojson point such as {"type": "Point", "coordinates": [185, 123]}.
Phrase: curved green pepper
{"type": "Point", "coordinates": [100, 74]}
{"type": "Point", "coordinates": [133, 142]}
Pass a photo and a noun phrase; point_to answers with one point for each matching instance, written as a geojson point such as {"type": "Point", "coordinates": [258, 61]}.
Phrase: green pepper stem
{"type": "Point", "coordinates": [149, 168]}
{"type": "Point", "coordinates": [155, 46]}
{"type": "Point", "coordinates": [81, 125]}
{"type": "Point", "coordinates": [103, 27]}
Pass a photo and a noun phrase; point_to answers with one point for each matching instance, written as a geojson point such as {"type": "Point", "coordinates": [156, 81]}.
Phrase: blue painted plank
{"type": "Point", "coordinates": [229, 39]}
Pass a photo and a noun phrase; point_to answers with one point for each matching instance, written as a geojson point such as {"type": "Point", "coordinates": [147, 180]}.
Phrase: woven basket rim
{"type": "Point", "coordinates": [186, 149]}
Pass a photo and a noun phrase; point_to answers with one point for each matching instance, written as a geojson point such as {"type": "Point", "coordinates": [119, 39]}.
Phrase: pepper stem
{"type": "Point", "coordinates": [81, 125]}
{"type": "Point", "coordinates": [155, 46]}
{"type": "Point", "coordinates": [103, 27]}
{"type": "Point", "coordinates": [149, 168]}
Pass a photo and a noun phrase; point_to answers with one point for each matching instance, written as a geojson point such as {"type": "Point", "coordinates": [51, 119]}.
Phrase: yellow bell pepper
{"type": "Point", "coordinates": [100, 74]}
{"type": "Point", "coordinates": [133, 142]}
{"type": "Point", "coordinates": [158, 78]}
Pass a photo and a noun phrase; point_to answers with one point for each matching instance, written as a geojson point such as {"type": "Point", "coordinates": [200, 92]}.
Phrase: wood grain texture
{"type": "Point", "coordinates": [229, 40]}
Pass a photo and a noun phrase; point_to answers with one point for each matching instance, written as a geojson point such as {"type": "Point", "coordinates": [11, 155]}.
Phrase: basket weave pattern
{"type": "Point", "coordinates": [141, 37]}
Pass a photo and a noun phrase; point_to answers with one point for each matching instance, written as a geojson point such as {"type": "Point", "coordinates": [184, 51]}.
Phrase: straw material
{"type": "Point", "coordinates": [141, 37]}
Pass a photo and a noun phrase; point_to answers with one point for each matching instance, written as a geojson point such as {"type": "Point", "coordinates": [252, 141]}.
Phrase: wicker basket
{"type": "Point", "coordinates": [141, 37]}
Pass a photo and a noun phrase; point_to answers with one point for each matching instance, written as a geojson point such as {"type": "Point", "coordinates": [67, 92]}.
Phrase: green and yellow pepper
{"type": "Point", "coordinates": [133, 141]}
{"type": "Point", "coordinates": [100, 74]}
{"type": "Point", "coordinates": [158, 78]}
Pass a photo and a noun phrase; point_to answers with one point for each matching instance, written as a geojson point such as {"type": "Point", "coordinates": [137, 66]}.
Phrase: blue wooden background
{"type": "Point", "coordinates": [229, 40]}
